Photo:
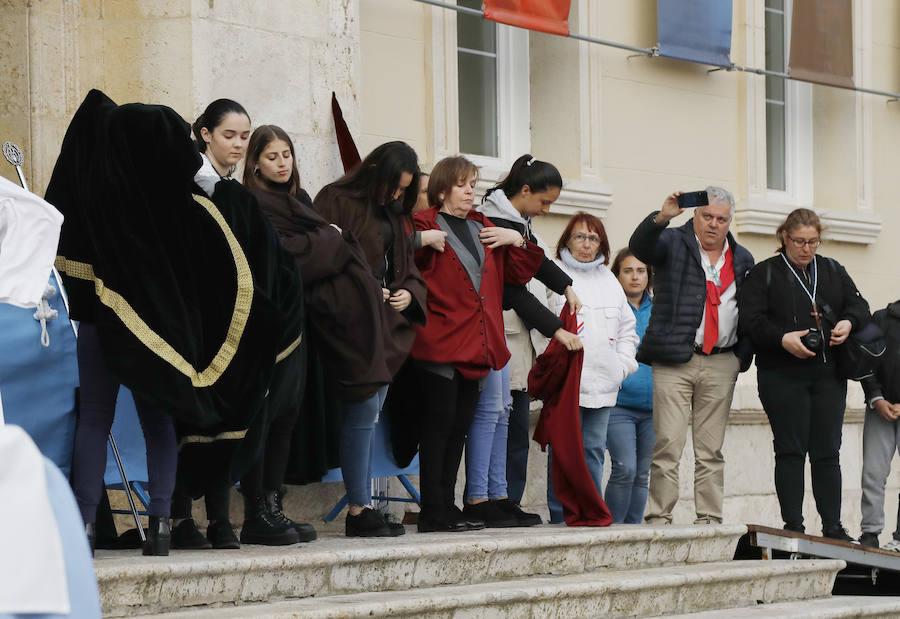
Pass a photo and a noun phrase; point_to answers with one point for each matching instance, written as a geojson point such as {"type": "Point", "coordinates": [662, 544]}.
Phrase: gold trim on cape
{"type": "Point", "coordinates": [221, 436]}
{"type": "Point", "coordinates": [284, 354]}
{"type": "Point", "coordinates": [152, 340]}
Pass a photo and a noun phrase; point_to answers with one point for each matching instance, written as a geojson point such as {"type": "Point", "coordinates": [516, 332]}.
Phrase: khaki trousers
{"type": "Point", "coordinates": [703, 386]}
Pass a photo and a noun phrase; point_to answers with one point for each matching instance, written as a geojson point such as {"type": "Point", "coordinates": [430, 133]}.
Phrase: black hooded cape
{"type": "Point", "coordinates": [168, 277]}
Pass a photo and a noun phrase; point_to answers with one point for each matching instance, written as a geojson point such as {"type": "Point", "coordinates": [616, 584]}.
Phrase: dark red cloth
{"type": "Point", "coordinates": [349, 154]}
{"type": "Point", "coordinates": [713, 300]}
{"type": "Point", "coordinates": [556, 379]}
{"type": "Point", "coordinates": [464, 326]}
{"type": "Point", "coordinates": [550, 16]}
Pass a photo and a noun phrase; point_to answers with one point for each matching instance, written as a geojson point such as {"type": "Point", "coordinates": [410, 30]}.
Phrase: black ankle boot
{"type": "Point", "coordinates": [261, 527]}
{"type": "Point", "coordinates": [159, 535]}
{"type": "Point", "coordinates": [305, 531]}
{"type": "Point", "coordinates": [91, 535]}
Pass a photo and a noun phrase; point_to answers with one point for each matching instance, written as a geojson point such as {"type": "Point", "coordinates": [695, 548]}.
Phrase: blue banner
{"type": "Point", "coordinates": [695, 30]}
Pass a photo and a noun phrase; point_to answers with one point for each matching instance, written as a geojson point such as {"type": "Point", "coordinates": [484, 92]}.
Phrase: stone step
{"type": "Point", "coordinates": [130, 584]}
{"type": "Point", "coordinates": [824, 608]}
{"type": "Point", "coordinates": [644, 592]}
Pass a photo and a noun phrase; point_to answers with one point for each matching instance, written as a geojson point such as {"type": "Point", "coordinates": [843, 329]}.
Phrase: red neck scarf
{"type": "Point", "coordinates": [713, 300]}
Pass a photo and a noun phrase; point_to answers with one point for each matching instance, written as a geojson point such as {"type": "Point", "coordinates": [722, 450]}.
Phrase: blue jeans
{"type": "Point", "coordinates": [630, 438]}
{"type": "Point", "coordinates": [357, 439]}
{"type": "Point", "coordinates": [593, 435]}
{"type": "Point", "coordinates": [517, 445]}
{"type": "Point", "coordinates": [486, 442]}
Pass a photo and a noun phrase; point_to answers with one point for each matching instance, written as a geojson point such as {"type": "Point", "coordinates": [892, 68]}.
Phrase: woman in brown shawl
{"type": "Point", "coordinates": [360, 316]}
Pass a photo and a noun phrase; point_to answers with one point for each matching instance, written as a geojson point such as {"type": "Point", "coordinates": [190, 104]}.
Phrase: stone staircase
{"type": "Point", "coordinates": [547, 571]}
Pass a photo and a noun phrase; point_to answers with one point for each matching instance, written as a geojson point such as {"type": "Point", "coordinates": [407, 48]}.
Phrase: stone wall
{"type": "Point", "coordinates": [280, 60]}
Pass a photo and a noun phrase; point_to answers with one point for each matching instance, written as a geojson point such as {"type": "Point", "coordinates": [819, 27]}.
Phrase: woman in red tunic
{"type": "Point", "coordinates": [464, 337]}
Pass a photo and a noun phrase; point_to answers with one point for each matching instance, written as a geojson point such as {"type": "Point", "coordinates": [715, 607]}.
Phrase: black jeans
{"type": "Point", "coordinates": [805, 407]}
{"type": "Point", "coordinates": [448, 409]}
{"type": "Point", "coordinates": [99, 391]}
{"type": "Point", "coordinates": [284, 401]}
{"type": "Point", "coordinates": [517, 445]}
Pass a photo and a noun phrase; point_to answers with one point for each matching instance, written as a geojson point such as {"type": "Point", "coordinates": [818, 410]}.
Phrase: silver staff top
{"type": "Point", "coordinates": [13, 154]}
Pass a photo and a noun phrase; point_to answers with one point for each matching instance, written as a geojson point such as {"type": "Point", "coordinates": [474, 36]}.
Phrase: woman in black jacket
{"type": "Point", "coordinates": [795, 308]}
{"type": "Point", "coordinates": [527, 191]}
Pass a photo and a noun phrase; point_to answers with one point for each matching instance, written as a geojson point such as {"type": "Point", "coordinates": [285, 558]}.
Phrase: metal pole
{"type": "Point", "coordinates": [14, 155]}
{"type": "Point", "coordinates": [654, 52]}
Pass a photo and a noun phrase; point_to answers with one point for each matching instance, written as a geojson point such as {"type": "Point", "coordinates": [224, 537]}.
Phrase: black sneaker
{"type": "Point", "coordinates": [368, 523]}
{"type": "Point", "coordinates": [187, 536]}
{"type": "Point", "coordinates": [305, 531]}
{"type": "Point", "coordinates": [839, 533]}
{"type": "Point", "coordinates": [470, 522]}
{"type": "Point", "coordinates": [221, 535]}
{"type": "Point", "coordinates": [491, 514]}
{"type": "Point", "coordinates": [796, 528]}
{"type": "Point", "coordinates": [524, 519]}
{"type": "Point", "coordinates": [261, 527]}
{"type": "Point", "coordinates": [397, 528]}
{"type": "Point", "coordinates": [869, 540]}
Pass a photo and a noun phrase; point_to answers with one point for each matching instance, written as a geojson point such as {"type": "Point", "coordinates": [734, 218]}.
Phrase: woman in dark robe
{"type": "Point", "coordinates": [371, 206]}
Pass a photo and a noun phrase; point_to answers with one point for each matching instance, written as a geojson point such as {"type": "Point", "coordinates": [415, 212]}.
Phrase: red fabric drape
{"type": "Point", "coordinates": [551, 16]}
{"type": "Point", "coordinates": [556, 379]}
{"type": "Point", "coordinates": [349, 155]}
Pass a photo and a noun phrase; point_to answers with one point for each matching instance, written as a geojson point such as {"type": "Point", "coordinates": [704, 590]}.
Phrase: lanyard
{"type": "Point", "coordinates": [812, 296]}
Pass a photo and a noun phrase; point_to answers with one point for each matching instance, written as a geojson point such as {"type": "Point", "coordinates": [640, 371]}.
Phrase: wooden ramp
{"type": "Point", "coordinates": [863, 563]}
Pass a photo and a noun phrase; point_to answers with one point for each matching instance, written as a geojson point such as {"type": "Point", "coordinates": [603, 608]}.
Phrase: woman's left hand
{"type": "Point", "coordinates": [572, 299]}
{"type": "Point", "coordinates": [400, 299]}
{"type": "Point", "coordinates": [840, 332]}
{"type": "Point", "coordinates": [495, 237]}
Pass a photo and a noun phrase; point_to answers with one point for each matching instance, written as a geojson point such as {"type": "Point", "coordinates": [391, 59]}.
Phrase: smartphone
{"type": "Point", "coordinates": [691, 199]}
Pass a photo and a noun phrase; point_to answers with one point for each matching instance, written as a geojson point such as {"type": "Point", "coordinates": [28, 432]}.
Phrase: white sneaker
{"type": "Point", "coordinates": [892, 545]}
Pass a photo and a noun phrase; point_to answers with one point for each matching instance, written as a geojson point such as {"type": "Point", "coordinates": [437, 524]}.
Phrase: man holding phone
{"type": "Point", "coordinates": [692, 343]}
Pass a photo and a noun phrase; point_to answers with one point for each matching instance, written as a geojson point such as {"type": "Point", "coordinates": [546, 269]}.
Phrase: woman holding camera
{"type": "Point", "coordinates": [796, 308]}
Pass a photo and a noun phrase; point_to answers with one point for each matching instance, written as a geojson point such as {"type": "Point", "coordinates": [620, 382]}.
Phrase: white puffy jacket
{"type": "Point", "coordinates": [606, 326]}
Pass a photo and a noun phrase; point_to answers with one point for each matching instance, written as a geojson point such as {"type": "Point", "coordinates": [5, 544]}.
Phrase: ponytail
{"type": "Point", "coordinates": [526, 170]}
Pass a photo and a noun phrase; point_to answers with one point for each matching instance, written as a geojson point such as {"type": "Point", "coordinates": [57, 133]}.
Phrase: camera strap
{"type": "Point", "coordinates": [812, 295]}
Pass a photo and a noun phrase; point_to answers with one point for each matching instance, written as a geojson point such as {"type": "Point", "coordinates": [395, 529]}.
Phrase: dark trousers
{"type": "Point", "coordinates": [805, 407]}
{"type": "Point", "coordinates": [517, 445]}
{"type": "Point", "coordinates": [218, 502]}
{"type": "Point", "coordinates": [267, 474]}
{"type": "Point", "coordinates": [448, 409]}
{"type": "Point", "coordinates": [99, 391]}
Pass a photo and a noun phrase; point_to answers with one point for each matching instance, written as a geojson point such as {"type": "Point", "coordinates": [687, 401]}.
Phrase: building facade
{"type": "Point", "coordinates": [624, 129]}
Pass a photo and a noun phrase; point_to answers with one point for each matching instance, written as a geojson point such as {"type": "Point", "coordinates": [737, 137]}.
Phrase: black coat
{"type": "Point", "coordinates": [886, 381]}
{"type": "Point", "coordinates": [533, 313]}
{"type": "Point", "coordinates": [679, 290]}
{"type": "Point", "coordinates": [772, 303]}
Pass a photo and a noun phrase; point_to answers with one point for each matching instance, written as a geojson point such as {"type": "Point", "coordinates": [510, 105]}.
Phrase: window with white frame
{"type": "Point", "coordinates": [788, 115]}
{"type": "Point", "coordinates": [492, 88]}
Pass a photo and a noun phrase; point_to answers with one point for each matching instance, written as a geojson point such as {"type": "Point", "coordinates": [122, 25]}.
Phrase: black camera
{"type": "Point", "coordinates": [812, 340]}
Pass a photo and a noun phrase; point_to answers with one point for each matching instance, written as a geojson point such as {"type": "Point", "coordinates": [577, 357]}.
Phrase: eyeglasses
{"type": "Point", "coordinates": [593, 239]}
{"type": "Point", "coordinates": [799, 243]}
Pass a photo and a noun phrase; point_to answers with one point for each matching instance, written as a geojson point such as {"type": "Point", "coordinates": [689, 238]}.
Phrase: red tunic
{"type": "Point", "coordinates": [464, 327]}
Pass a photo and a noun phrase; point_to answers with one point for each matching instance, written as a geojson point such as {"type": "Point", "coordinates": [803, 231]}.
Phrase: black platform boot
{"type": "Point", "coordinates": [159, 535]}
{"type": "Point", "coordinates": [261, 528]}
{"type": "Point", "coordinates": [305, 531]}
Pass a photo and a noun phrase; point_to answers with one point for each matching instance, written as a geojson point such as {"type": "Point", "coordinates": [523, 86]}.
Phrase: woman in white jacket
{"type": "Point", "coordinates": [606, 326]}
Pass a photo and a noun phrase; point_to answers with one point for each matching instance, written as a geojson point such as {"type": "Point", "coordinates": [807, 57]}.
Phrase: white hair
{"type": "Point", "coordinates": [720, 194]}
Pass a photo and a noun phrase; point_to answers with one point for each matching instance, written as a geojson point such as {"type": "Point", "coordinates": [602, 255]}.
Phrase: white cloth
{"type": "Point", "coordinates": [29, 235]}
{"type": "Point", "coordinates": [606, 326]}
{"type": "Point", "coordinates": [728, 308]}
{"type": "Point", "coordinates": [32, 564]}
{"type": "Point", "coordinates": [207, 176]}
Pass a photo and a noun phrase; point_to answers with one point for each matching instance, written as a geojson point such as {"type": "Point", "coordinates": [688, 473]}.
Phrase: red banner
{"type": "Point", "coordinates": [550, 16]}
